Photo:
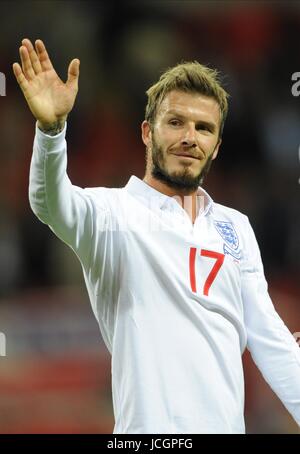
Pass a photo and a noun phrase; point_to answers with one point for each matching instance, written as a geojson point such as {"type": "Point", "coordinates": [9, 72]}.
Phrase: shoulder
{"type": "Point", "coordinates": [229, 214]}
{"type": "Point", "coordinates": [104, 198]}
{"type": "Point", "coordinates": [99, 192]}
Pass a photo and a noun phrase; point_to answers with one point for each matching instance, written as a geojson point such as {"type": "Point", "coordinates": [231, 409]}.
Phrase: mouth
{"type": "Point", "coordinates": [185, 156]}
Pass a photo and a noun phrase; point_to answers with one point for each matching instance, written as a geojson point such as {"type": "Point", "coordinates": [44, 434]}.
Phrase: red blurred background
{"type": "Point", "coordinates": [55, 377]}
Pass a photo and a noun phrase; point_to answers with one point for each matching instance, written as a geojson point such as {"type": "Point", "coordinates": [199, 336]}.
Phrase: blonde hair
{"type": "Point", "coordinates": [188, 77]}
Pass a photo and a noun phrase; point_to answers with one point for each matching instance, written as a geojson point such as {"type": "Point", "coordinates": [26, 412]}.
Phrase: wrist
{"type": "Point", "coordinates": [52, 129]}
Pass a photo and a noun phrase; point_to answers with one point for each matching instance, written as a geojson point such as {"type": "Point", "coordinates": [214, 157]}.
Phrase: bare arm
{"type": "Point", "coordinates": [48, 97]}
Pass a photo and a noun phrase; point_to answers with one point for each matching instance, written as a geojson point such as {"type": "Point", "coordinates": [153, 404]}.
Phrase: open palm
{"type": "Point", "coordinates": [48, 97]}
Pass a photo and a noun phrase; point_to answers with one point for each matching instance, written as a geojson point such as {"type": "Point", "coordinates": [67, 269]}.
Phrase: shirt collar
{"type": "Point", "coordinates": [141, 190]}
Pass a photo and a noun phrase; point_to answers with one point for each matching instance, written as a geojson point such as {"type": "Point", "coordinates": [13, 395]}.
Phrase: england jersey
{"type": "Point", "coordinates": [177, 303]}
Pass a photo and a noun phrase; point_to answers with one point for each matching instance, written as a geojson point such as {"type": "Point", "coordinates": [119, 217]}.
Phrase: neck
{"type": "Point", "coordinates": [186, 199]}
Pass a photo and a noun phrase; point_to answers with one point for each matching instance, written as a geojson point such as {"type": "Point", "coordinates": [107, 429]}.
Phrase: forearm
{"type": "Point", "coordinates": [272, 346]}
{"type": "Point", "coordinates": [47, 170]}
{"type": "Point", "coordinates": [53, 198]}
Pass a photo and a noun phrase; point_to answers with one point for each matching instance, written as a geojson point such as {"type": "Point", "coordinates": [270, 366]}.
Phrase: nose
{"type": "Point", "coordinates": [189, 137]}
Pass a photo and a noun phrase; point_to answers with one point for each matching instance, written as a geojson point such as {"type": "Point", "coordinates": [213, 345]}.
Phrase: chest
{"type": "Point", "coordinates": [200, 260]}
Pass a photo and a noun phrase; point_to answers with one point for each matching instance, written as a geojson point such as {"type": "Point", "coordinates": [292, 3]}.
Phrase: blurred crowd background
{"type": "Point", "coordinates": [56, 374]}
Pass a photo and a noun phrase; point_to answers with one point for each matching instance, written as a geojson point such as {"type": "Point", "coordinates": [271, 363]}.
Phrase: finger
{"type": "Point", "coordinates": [21, 79]}
{"type": "Point", "coordinates": [43, 55]}
{"type": "Point", "coordinates": [32, 55]}
{"type": "Point", "coordinates": [26, 63]}
{"type": "Point", "coordinates": [73, 73]}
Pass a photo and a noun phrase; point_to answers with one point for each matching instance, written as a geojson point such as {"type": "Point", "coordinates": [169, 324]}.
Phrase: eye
{"type": "Point", "coordinates": [203, 127]}
{"type": "Point", "coordinates": [174, 122]}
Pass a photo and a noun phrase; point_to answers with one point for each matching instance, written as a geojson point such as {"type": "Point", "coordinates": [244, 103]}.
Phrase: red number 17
{"type": "Point", "coordinates": [214, 271]}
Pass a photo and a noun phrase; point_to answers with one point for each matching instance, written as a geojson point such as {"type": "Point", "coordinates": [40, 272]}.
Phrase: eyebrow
{"type": "Point", "coordinates": [209, 124]}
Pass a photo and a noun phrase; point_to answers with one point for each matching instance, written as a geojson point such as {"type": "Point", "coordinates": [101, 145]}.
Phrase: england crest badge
{"type": "Point", "coordinates": [231, 241]}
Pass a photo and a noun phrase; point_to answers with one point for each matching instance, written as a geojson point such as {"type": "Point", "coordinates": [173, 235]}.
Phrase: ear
{"type": "Point", "coordinates": [216, 150]}
{"type": "Point", "coordinates": [146, 133]}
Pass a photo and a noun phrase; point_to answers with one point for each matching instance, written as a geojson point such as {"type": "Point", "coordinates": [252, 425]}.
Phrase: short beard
{"type": "Point", "coordinates": [182, 181]}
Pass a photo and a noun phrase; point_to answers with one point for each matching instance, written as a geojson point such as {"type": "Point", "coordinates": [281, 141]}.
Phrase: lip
{"type": "Point", "coordinates": [185, 155]}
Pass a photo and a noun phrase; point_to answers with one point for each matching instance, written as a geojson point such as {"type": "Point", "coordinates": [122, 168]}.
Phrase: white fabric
{"type": "Point", "coordinates": [176, 352]}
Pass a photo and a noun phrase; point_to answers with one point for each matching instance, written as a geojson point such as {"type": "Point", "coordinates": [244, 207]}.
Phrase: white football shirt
{"type": "Point", "coordinates": [176, 303]}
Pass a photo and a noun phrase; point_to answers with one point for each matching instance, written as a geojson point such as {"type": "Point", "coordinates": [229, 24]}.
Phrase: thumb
{"type": "Point", "coordinates": [73, 73]}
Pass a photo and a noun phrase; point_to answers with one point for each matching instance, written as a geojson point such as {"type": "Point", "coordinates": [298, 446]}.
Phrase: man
{"type": "Point", "coordinates": [175, 280]}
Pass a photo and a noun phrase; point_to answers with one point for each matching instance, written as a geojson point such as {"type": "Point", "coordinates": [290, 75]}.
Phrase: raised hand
{"type": "Point", "coordinates": [48, 97]}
